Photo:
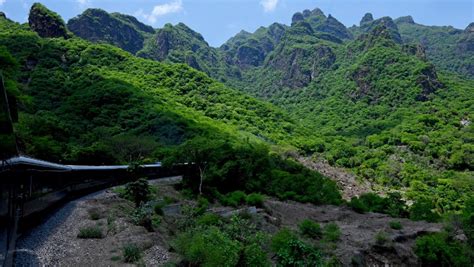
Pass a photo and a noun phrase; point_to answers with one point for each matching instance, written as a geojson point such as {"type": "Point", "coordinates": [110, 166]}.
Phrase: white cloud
{"type": "Point", "coordinates": [2, 2]}
{"type": "Point", "coordinates": [269, 5]}
{"type": "Point", "coordinates": [84, 3]}
{"type": "Point", "coordinates": [161, 10]}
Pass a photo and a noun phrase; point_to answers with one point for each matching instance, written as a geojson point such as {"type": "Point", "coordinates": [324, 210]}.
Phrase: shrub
{"type": "Point", "coordinates": [94, 214]}
{"type": "Point", "coordinates": [310, 229]}
{"type": "Point", "coordinates": [357, 205]}
{"type": "Point", "coordinates": [254, 255]}
{"type": "Point", "coordinates": [208, 219]}
{"type": "Point", "coordinates": [90, 232]}
{"type": "Point", "coordinates": [139, 191]}
{"type": "Point", "coordinates": [423, 210]}
{"type": "Point", "coordinates": [298, 253]}
{"type": "Point", "coordinates": [255, 199]}
{"type": "Point", "coordinates": [281, 239]}
{"type": "Point", "coordinates": [131, 253]}
{"type": "Point", "coordinates": [440, 250]}
{"type": "Point", "coordinates": [331, 232]}
{"type": "Point", "coordinates": [158, 209]}
{"type": "Point", "coordinates": [234, 199]}
{"type": "Point", "coordinates": [208, 247]}
{"type": "Point", "coordinates": [396, 225]}
{"type": "Point", "coordinates": [381, 238]}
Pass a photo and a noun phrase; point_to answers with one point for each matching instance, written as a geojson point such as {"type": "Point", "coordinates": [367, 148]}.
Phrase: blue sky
{"type": "Point", "coordinates": [218, 20]}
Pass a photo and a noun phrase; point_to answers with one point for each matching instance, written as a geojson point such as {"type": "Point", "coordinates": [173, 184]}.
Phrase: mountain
{"type": "Point", "coordinates": [448, 48]}
{"type": "Point", "coordinates": [96, 25]}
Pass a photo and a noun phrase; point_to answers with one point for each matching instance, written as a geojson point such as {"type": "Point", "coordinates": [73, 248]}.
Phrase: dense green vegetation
{"type": "Point", "coordinates": [94, 104]}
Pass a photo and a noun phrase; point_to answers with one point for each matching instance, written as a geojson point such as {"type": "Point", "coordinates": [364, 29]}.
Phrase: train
{"type": "Point", "coordinates": [30, 188]}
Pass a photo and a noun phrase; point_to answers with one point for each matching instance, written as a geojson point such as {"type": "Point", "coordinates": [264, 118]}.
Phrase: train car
{"type": "Point", "coordinates": [30, 188]}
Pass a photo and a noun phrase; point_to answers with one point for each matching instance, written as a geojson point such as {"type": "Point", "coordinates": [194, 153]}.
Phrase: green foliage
{"type": "Point", "coordinates": [138, 191]}
{"type": "Point", "coordinates": [209, 247]}
{"type": "Point", "coordinates": [234, 199]}
{"type": "Point", "coordinates": [424, 210]}
{"type": "Point", "coordinates": [131, 253]}
{"type": "Point", "coordinates": [370, 202]}
{"type": "Point", "coordinates": [255, 199]}
{"type": "Point", "coordinates": [440, 250]}
{"type": "Point", "coordinates": [291, 251]}
{"type": "Point", "coordinates": [396, 225]}
{"type": "Point", "coordinates": [310, 229]}
{"type": "Point", "coordinates": [381, 238]}
{"type": "Point", "coordinates": [93, 232]}
{"type": "Point", "coordinates": [331, 232]}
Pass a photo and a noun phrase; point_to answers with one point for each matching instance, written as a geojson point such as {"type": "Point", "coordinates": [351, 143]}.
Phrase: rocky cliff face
{"type": "Point", "coordinates": [46, 22]}
{"type": "Point", "coordinates": [96, 25]}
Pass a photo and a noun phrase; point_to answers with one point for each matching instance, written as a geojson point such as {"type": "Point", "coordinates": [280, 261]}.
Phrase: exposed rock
{"type": "Point", "coordinates": [96, 25]}
{"type": "Point", "coordinates": [366, 18]}
{"type": "Point", "coordinates": [2, 15]}
{"type": "Point", "coordinates": [385, 25]}
{"type": "Point", "coordinates": [405, 19]}
{"type": "Point", "coordinates": [317, 12]}
{"type": "Point", "coordinates": [428, 80]}
{"type": "Point", "coordinates": [46, 22]}
{"type": "Point", "coordinates": [416, 50]}
{"type": "Point", "coordinates": [358, 245]}
{"type": "Point", "coordinates": [470, 28]}
{"type": "Point", "coordinates": [292, 64]}
{"type": "Point", "coordinates": [333, 26]}
{"type": "Point", "coordinates": [297, 17]}
{"type": "Point", "coordinates": [306, 13]}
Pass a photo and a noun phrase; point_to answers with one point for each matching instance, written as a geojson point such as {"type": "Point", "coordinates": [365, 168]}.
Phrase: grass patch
{"type": "Point", "coordinates": [331, 232]}
{"type": "Point", "coordinates": [93, 232]}
{"type": "Point", "coordinates": [310, 229]}
{"type": "Point", "coordinates": [131, 253]}
{"type": "Point", "coordinates": [94, 214]}
{"type": "Point", "coordinates": [396, 225]}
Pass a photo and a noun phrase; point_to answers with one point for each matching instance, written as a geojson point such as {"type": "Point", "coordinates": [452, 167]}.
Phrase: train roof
{"type": "Point", "coordinates": [23, 161]}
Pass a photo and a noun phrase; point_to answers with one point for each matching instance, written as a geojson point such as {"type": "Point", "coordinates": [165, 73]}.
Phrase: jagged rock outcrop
{"type": "Point", "coordinates": [297, 17]}
{"type": "Point", "coordinates": [333, 26]}
{"type": "Point", "coordinates": [96, 25]}
{"type": "Point", "coordinates": [366, 18]}
{"type": "Point", "coordinates": [300, 66]}
{"type": "Point", "coordinates": [405, 19]}
{"type": "Point", "coordinates": [181, 44]}
{"type": "Point", "coordinates": [46, 22]}
{"type": "Point", "coordinates": [246, 49]}
{"type": "Point", "coordinates": [470, 28]}
{"type": "Point", "coordinates": [387, 23]}
{"type": "Point", "coordinates": [2, 15]}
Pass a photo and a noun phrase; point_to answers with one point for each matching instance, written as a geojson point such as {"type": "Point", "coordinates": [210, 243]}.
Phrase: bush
{"type": "Point", "coordinates": [281, 239]}
{"type": "Point", "coordinates": [131, 253]}
{"type": "Point", "coordinates": [423, 210]}
{"type": "Point", "coordinates": [381, 238]}
{"type": "Point", "coordinates": [90, 232]}
{"type": "Point", "coordinates": [310, 229]}
{"type": "Point", "coordinates": [208, 219]}
{"type": "Point", "coordinates": [139, 191]}
{"type": "Point", "coordinates": [94, 214]}
{"type": "Point", "coordinates": [298, 253]}
{"type": "Point", "coordinates": [208, 247]}
{"type": "Point", "coordinates": [440, 250]}
{"type": "Point", "coordinates": [331, 232]}
{"type": "Point", "coordinates": [396, 225]}
{"type": "Point", "coordinates": [255, 199]}
{"type": "Point", "coordinates": [357, 205]}
{"type": "Point", "coordinates": [254, 255]}
{"type": "Point", "coordinates": [234, 199]}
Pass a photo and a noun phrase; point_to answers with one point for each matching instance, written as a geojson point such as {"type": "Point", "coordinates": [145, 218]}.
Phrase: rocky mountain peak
{"type": "Point", "coordinates": [470, 28]}
{"type": "Point", "coordinates": [46, 22]}
{"type": "Point", "coordinates": [2, 15]}
{"type": "Point", "coordinates": [297, 17]}
{"type": "Point", "coordinates": [317, 12]}
{"type": "Point", "coordinates": [366, 18]}
{"type": "Point", "coordinates": [405, 19]}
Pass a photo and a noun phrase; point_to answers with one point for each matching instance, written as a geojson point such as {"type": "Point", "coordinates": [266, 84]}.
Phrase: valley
{"type": "Point", "coordinates": [318, 126]}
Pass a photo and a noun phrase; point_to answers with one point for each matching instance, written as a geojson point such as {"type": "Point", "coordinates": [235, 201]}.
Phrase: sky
{"type": "Point", "coordinates": [218, 20]}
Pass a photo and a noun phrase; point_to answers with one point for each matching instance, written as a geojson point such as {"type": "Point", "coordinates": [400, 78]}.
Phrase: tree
{"type": "Point", "coordinates": [202, 152]}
